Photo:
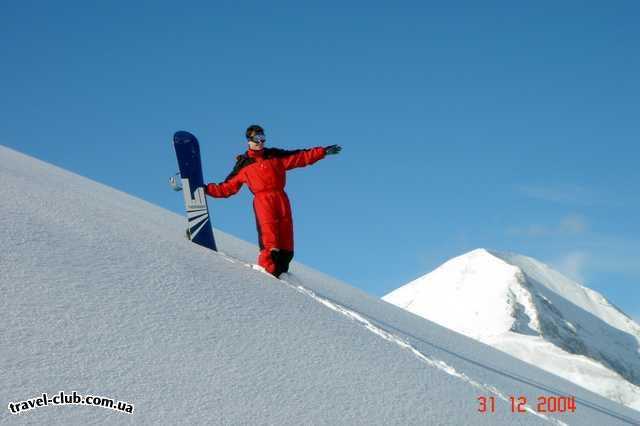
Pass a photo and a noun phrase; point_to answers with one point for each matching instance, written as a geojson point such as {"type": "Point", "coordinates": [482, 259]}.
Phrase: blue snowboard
{"type": "Point", "coordinates": [188, 154]}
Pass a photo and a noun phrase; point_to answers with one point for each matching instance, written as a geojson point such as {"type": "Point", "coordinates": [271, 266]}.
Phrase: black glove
{"type": "Point", "coordinates": [332, 149]}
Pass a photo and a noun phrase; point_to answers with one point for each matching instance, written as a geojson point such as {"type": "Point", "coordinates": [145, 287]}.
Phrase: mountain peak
{"type": "Point", "coordinates": [525, 307]}
{"type": "Point", "coordinates": [475, 288]}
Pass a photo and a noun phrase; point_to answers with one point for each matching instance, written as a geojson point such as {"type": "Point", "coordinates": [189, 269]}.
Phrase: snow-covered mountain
{"type": "Point", "coordinates": [102, 295]}
{"type": "Point", "coordinates": [525, 308]}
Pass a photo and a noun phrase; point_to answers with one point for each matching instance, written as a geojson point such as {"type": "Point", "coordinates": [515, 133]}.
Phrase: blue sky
{"type": "Point", "coordinates": [504, 126]}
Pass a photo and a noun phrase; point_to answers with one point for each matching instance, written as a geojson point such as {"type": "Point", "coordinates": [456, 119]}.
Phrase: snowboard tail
{"type": "Point", "coordinates": [188, 154]}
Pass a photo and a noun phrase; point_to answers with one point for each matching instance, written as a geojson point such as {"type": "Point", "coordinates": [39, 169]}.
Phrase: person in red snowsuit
{"type": "Point", "coordinates": [264, 172]}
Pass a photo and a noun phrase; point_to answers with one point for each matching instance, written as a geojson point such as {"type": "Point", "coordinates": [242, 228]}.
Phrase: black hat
{"type": "Point", "coordinates": [253, 130]}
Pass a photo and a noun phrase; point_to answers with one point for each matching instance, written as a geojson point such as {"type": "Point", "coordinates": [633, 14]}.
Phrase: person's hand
{"type": "Point", "coordinates": [332, 149]}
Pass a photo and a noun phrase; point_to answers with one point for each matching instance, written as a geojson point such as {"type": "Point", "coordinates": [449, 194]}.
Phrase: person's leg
{"type": "Point", "coordinates": [267, 226]}
{"type": "Point", "coordinates": [267, 234]}
{"type": "Point", "coordinates": [275, 230]}
{"type": "Point", "coordinates": [276, 246]}
{"type": "Point", "coordinates": [286, 243]}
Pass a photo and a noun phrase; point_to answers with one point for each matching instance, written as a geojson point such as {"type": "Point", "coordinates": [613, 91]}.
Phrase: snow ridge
{"type": "Point", "coordinates": [435, 363]}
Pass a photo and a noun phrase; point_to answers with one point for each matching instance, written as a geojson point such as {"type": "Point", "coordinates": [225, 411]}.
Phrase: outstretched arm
{"type": "Point", "coordinates": [224, 189]}
{"type": "Point", "coordinates": [303, 157]}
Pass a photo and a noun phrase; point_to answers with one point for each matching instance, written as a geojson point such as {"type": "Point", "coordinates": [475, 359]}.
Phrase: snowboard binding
{"type": "Point", "coordinates": [175, 182]}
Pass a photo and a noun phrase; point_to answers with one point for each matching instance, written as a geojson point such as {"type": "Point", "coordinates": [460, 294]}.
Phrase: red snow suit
{"type": "Point", "coordinates": [264, 172]}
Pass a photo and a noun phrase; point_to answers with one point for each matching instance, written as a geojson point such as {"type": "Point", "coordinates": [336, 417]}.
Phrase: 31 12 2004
{"type": "Point", "coordinates": [544, 404]}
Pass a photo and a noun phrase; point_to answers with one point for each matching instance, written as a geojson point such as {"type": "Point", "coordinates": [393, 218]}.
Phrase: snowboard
{"type": "Point", "coordinates": [199, 224]}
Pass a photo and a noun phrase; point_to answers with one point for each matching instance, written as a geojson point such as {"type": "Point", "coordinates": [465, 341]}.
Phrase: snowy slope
{"type": "Point", "coordinates": [102, 295]}
{"type": "Point", "coordinates": [527, 309]}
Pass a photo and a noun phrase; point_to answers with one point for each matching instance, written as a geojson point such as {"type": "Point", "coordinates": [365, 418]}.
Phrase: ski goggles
{"type": "Point", "coordinates": [258, 138]}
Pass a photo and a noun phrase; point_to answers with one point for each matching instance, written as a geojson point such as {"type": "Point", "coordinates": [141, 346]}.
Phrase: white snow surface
{"type": "Point", "coordinates": [525, 308]}
{"type": "Point", "coordinates": [103, 295]}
